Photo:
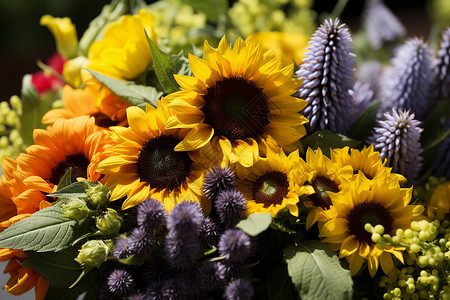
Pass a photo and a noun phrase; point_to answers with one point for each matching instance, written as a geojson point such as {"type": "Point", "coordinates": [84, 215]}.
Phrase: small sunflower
{"type": "Point", "coordinates": [324, 176]}
{"type": "Point", "coordinates": [142, 162]}
{"type": "Point", "coordinates": [366, 161]}
{"type": "Point", "coordinates": [238, 96]}
{"type": "Point", "coordinates": [379, 202]}
{"type": "Point", "coordinates": [270, 184]}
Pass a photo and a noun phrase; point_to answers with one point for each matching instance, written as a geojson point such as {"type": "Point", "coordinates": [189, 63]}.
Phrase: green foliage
{"type": "Point", "coordinates": [362, 127]}
{"type": "Point", "coordinates": [325, 139]}
{"type": "Point", "coordinates": [213, 9]}
{"type": "Point", "coordinates": [255, 223]}
{"type": "Point", "coordinates": [129, 91]}
{"type": "Point", "coordinates": [76, 189]}
{"type": "Point", "coordinates": [316, 272]}
{"type": "Point", "coordinates": [66, 180]}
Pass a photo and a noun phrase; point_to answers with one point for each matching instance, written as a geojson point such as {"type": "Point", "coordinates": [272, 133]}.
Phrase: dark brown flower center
{"type": "Point", "coordinates": [271, 188]}
{"type": "Point", "coordinates": [103, 120]}
{"type": "Point", "coordinates": [79, 164]}
{"type": "Point", "coordinates": [236, 108]}
{"type": "Point", "coordinates": [159, 164]}
{"type": "Point", "coordinates": [322, 185]}
{"type": "Point", "coordinates": [368, 212]}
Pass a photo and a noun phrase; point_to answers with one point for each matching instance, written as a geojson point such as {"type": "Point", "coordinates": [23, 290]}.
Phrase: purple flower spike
{"type": "Point", "coordinates": [442, 90]}
{"type": "Point", "coordinates": [140, 242]}
{"type": "Point", "coordinates": [407, 82]}
{"type": "Point", "coordinates": [122, 248]}
{"type": "Point", "coordinates": [121, 283]}
{"type": "Point", "coordinates": [239, 289]}
{"type": "Point", "coordinates": [397, 139]}
{"type": "Point", "coordinates": [327, 74]}
{"type": "Point", "coordinates": [381, 24]}
{"type": "Point", "coordinates": [235, 245]}
{"type": "Point", "coordinates": [217, 180]}
{"type": "Point", "coordinates": [230, 206]}
{"type": "Point", "coordinates": [150, 215]}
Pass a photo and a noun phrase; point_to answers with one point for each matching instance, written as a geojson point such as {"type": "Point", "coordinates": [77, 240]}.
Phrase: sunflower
{"type": "Point", "coordinates": [379, 201]}
{"type": "Point", "coordinates": [142, 162]}
{"type": "Point", "coordinates": [238, 96]}
{"type": "Point", "coordinates": [270, 184]}
{"type": "Point", "coordinates": [366, 161]}
{"type": "Point", "coordinates": [324, 176]}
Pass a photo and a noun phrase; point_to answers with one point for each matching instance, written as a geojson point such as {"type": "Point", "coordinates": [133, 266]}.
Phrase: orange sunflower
{"type": "Point", "coordinates": [237, 96]}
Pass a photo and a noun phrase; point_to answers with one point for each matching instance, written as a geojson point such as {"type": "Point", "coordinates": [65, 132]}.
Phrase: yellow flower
{"type": "Point", "coordinates": [124, 52]}
{"type": "Point", "coordinates": [288, 45]}
{"type": "Point", "coordinates": [142, 162]}
{"type": "Point", "coordinates": [65, 34]}
{"type": "Point", "coordinates": [380, 201]}
{"type": "Point", "coordinates": [238, 95]}
{"type": "Point", "coordinates": [72, 70]}
{"type": "Point", "coordinates": [439, 205]}
{"type": "Point", "coordinates": [271, 183]}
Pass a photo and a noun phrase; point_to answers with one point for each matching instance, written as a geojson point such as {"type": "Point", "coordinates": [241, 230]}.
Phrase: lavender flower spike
{"type": "Point", "coordinates": [231, 206]}
{"type": "Point", "coordinates": [397, 139]}
{"type": "Point", "coordinates": [327, 74]}
{"type": "Point", "coordinates": [407, 82]}
{"type": "Point", "coordinates": [217, 180]}
{"type": "Point", "coordinates": [442, 90]}
{"type": "Point", "coordinates": [381, 24]}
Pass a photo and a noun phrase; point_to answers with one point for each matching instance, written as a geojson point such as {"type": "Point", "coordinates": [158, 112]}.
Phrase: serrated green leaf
{"type": "Point", "coordinates": [166, 66]}
{"type": "Point", "coordinates": [76, 189]}
{"type": "Point", "coordinates": [255, 223]}
{"type": "Point", "coordinates": [316, 272]}
{"type": "Point", "coordinates": [325, 139]}
{"type": "Point", "coordinates": [362, 127]}
{"type": "Point", "coordinates": [211, 8]}
{"type": "Point", "coordinates": [129, 91]}
{"type": "Point", "coordinates": [66, 180]}
{"type": "Point", "coordinates": [45, 230]}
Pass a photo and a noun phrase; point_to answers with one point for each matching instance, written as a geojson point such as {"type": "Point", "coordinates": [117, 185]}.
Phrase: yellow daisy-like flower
{"type": "Point", "coordinates": [366, 161]}
{"type": "Point", "coordinates": [65, 34]}
{"type": "Point", "coordinates": [378, 202]}
{"type": "Point", "coordinates": [142, 162]}
{"type": "Point", "coordinates": [324, 176]}
{"type": "Point", "coordinates": [237, 95]}
{"type": "Point", "coordinates": [270, 184]}
{"type": "Point", "coordinates": [124, 52]}
{"type": "Point", "coordinates": [439, 204]}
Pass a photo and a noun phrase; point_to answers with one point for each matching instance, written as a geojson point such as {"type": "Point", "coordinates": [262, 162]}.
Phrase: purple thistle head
{"type": "Point", "coordinates": [327, 74]}
{"type": "Point", "coordinates": [140, 243]}
{"type": "Point", "coordinates": [122, 248]}
{"type": "Point", "coordinates": [150, 215]}
{"type": "Point", "coordinates": [212, 275]}
{"type": "Point", "coordinates": [138, 296]}
{"type": "Point", "coordinates": [441, 164]}
{"type": "Point", "coordinates": [211, 231]}
{"type": "Point", "coordinates": [121, 283]}
{"type": "Point", "coordinates": [407, 83]}
{"type": "Point", "coordinates": [185, 217]}
{"type": "Point", "coordinates": [397, 140]}
{"type": "Point", "coordinates": [381, 24]}
{"type": "Point", "coordinates": [369, 72]}
{"type": "Point", "coordinates": [157, 272]}
{"type": "Point", "coordinates": [442, 82]}
{"type": "Point", "coordinates": [235, 245]}
{"type": "Point", "coordinates": [217, 180]}
{"type": "Point", "coordinates": [180, 287]}
{"type": "Point", "coordinates": [239, 289]}
{"type": "Point", "coordinates": [230, 206]}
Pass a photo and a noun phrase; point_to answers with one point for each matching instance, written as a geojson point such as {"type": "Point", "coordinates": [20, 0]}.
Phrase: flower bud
{"type": "Point", "coordinates": [65, 34]}
{"type": "Point", "coordinates": [98, 195]}
{"type": "Point", "coordinates": [93, 253]}
{"type": "Point", "coordinates": [76, 209]}
{"type": "Point", "coordinates": [109, 223]}
{"type": "Point", "coordinates": [72, 70]}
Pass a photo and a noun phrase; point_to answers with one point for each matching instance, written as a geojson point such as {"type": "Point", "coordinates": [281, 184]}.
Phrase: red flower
{"type": "Point", "coordinates": [45, 82]}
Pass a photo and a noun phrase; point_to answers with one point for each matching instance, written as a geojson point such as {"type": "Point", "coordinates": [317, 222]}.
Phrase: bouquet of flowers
{"type": "Point", "coordinates": [212, 150]}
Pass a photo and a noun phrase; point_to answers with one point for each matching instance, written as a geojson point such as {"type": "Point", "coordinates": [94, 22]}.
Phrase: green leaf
{"type": "Point", "coordinates": [166, 66]}
{"type": "Point", "coordinates": [76, 189]}
{"type": "Point", "coordinates": [66, 180]}
{"type": "Point", "coordinates": [211, 8]}
{"type": "Point", "coordinates": [45, 230]}
{"type": "Point", "coordinates": [34, 110]}
{"type": "Point", "coordinates": [363, 126]}
{"type": "Point", "coordinates": [325, 139]}
{"type": "Point", "coordinates": [255, 223]}
{"type": "Point", "coordinates": [129, 91]}
{"type": "Point", "coordinates": [316, 272]}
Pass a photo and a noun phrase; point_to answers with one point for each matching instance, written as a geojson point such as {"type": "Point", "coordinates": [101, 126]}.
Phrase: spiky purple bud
{"type": "Point", "coordinates": [185, 217]}
{"type": "Point", "coordinates": [121, 283]}
{"type": "Point", "coordinates": [327, 74]}
{"type": "Point", "coordinates": [239, 289]}
{"type": "Point", "coordinates": [122, 248]}
{"type": "Point", "coordinates": [230, 206]}
{"type": "Point", "coordinates": [381, 24]}
{"type": "Point", "coordinates": [140, 242]}
{"type": "Point", "coordinates": [151, 214]}
{"type": "Point", "coordinates": [212, 275]}
{"type": "Point", "coordinates": [211, 230]}
{"type": "Point", "coordinates": [138, 296]}
{"type": "Point", "coordinates": [442, 82]}
{"type": "Point", "coordinates": [217, 180]}
{"type": "Point", "coordinates": [362, 95]}
{"type": "Point", "coordinates": [397, 140]}
{"type": "Point", "coordinates": [235, 245]}
{"type": "Point", "coordinates": [407, 83]}
{"type": "Point", "coordinates": [369, 72]}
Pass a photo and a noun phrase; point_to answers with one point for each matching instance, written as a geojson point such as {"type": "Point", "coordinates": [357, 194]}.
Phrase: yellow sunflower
{"type": "Point", "coordinates": [324, 176]}
{"type": "Point", "coordinates": [366, 161]}
{"type": "Point", "coordinates": [142, 162]}
{"type": "Point", "coordinates": [439, 204]}
{"type": "Point", "coordinates": [270, 184]}
{"type": "Point", "coordinates": [237, 95]}
{"type": "Point", "coordinates": [379, 201]}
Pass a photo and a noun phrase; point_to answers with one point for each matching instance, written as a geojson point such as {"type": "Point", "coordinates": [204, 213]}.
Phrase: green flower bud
{"type": "Point", "coordinates": [98, 195]}
{"type": "Point", "coordinates": [93, 253]}
{"type": "Point", "coordinates": [110, 222]}
{"type": "Point", "coordinates": [76, 209]}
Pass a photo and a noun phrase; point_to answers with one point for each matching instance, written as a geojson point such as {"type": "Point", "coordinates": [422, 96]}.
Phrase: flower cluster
{"type": "Point", "coordinates": [206, 150]}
